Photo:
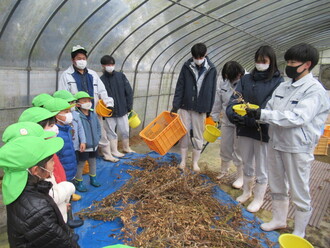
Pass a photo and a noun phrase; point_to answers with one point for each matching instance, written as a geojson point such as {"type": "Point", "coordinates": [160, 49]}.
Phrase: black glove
{"type": "Point", "coordinates": [238, 120]}
{"type": "Point", "coordinates": [253, 113]}
{"type": "Point", "coordinates": [208, 114]}
{"type": "Point", "coordinates": [174, 110]}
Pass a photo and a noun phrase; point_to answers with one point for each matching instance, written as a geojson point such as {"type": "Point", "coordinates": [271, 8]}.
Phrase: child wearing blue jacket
{"type": "Point", "coordinates": [64, 119]}
{"type": "Point", "coordinates": [92, 130]}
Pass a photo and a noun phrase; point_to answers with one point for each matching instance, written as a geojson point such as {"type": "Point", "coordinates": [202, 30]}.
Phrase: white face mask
{"type": "Point", "coordinates": [110, 69]}
{"type": "Point", "coordinates": [81, 64]}
{"type": "Point", "coordinates": [198, 61]}
{"type": "Point", "coordinates": [86, 105]}
{"type": "Point", "coordinates": [68, 118]}
{"type": "Point", "coordinates": [53, 129]}
{"type": "Point", "coordinates": [262, 67]}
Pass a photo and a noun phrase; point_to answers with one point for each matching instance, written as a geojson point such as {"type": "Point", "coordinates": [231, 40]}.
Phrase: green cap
{"type": "Point", "coordinates": [57, 104]}
{"type": "Point", "coordinates": [41, 99]}
{"type": "Point", "coordinates": [36, 114]}
{"type": "Point", "coordinates": [20, 154]}
{"type": "Point", "coordinates": [24, 129]}
{"type": "Point", "coordinates": [64, 94]}
{"type": "Point", "coordinates": [82, 94]}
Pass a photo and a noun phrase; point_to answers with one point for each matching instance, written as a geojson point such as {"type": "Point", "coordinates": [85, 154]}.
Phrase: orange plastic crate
{"type": "Point", "coordinates": [326, 132]}
{"type": "Point", "coordinates": [163, 132]}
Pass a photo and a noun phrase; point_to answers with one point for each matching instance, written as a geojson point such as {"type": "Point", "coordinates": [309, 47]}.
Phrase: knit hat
{"type": "Point", "coordinates": [24, 129]}
{"type": "Point", "coordinates": [20, 154]}
{"type": "Point", "coordinates": [82, 94]}
{"type": "Point", "coordinates": [57, 104]}
{"type": "Point", "coordinates": [64, 94]}
{"type": "Point", "coordinates": [39, 100]}
{"type": "Point", "coordinates": [36, 114]}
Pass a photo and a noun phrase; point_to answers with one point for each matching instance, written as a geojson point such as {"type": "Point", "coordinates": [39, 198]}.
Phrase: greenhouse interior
{"type": "Point", "coordinates": [150, 41]}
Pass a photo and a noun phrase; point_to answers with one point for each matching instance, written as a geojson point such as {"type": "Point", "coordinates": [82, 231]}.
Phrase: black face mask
{"type": "Point", "coordinates": [291, 71]}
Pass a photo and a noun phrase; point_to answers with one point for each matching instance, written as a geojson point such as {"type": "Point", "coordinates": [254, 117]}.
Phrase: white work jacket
{"type": "Point", "coordinates": [296, 113]}
{"type": "Point", "coordinates": [222, 97]}
{"type": "Point", "coordinates": [67, 82]}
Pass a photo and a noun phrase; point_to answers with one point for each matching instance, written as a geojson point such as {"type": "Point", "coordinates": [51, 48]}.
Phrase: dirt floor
{"type": "Point", "coordinates": [210, 160]}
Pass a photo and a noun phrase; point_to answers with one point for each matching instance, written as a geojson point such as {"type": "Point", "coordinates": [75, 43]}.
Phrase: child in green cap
{"type": "Point", "coordinates": [92, 130]}
{"type": "Point", "coordinates": [33, 218]}
{"type": "Point", "coordinates": [63, 120]}
{"type": "Point", "coordinates": [39, 100]}
{"type": "Point", "coordinates": [62, 190]}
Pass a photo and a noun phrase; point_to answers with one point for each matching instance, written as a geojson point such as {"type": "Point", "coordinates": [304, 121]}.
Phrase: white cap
{"type": "Point", "coordinates": [78, 47]}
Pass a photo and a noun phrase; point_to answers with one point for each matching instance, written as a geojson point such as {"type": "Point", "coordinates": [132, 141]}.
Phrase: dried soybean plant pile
{"type": "Point", "coordinates": [161, 206]}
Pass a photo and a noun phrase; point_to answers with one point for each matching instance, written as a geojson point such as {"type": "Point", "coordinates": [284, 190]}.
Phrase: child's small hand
{"type": "Point", "coordinates": [82, 147]}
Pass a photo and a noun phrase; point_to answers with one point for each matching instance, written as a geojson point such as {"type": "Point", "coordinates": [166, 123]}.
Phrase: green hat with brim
{"type": "Point", "coordinates": [57, 104]}
{"type": "Point", "coordinates": [82, 94]}
{"type": "Point", "coordinates": [20, 154]}
{"type": "Point", "coordinates": [24, 129]}
{"type": "Point", "coordinates": [36, 114]}
{"type": "Point", "coordinates": [41, 99]}
{"type": "Point", "coordinates": [65, 95]}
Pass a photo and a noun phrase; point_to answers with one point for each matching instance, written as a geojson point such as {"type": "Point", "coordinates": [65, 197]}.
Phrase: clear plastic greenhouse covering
{"type": "Point", "coordinates": [150, 41]}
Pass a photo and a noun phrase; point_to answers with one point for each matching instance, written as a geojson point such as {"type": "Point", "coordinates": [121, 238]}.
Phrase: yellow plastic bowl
{"type": "Point", "coordinates": [288, 240]}
{"type": "Point", "coordinates": [211, 133]}
{"type": "Point", "coordinates": [134, 120]}
{"type": "Point", "coordinates": [102, 110]}
{"type": "Point", "coordinates": [240, 108]}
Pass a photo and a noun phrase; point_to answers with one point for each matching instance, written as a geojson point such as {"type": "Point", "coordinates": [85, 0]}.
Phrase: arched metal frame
{"type": "Point", "coordinates": [159, 41]}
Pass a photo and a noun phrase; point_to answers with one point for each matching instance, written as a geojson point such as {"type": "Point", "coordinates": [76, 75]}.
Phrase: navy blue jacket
{"type": "Point", "coordinates": [92, 129]}
{"type": "Point", "coordinates": [120, 90]}
{"type": "Point", "coordinates": [67, 154]}
{"type": "Point", "coordinates": [185, 96]}
{"type": "Point", "coordinates": [255, 89]}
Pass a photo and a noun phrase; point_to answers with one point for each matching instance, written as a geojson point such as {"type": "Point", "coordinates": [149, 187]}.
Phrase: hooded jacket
{"type": "Point", "coordinates": [67, 154]}
{"type": "Point", "coordinates": [255, 89]}
{"type": "Point", "coordinates": [186, 96]}
{"type": "Point", "coordinates": [120, 90]}
{"type": "Point", "coordinates": [34, 221]}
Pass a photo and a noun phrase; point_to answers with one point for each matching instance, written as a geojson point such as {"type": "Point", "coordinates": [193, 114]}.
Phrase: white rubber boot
{"type": "Point", "coordinates": [184, 152]}
{"type": "Point", "coordinates": [280, 209]}
{"type": "Point", "coordinates": [258, 197]}
{"type": "Point", "coordinates": [105, 152]}
{"type": "Point", "coordinates": [247, 189]}
{"type": "Point", "coordinates": [239, 180]}
{"type": "Point", "coordinates": [224, 169]}
{"type": "Point", "coordinates": [114, 149]}
{"type": "Point", "coordinates": [196, 156]}
{"type": "Point", "coordinates": [126, 147]}
{"type": "Point", "coordinates": [301, 220]}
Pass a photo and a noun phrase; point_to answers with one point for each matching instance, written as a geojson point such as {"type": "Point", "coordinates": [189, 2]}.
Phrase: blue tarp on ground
{"type": "Point", "coordinates": [112, 176]}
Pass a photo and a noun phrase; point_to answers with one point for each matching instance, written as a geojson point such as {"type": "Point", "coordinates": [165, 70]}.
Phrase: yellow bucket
{"type": "Point", "coordinates": [240, 108]}
{"type": "Point", "coordinates": [133, 119]}
{"type": "Point", "coordinates": [102, 110]}
{"type": "Point", "coordinates": [211, 133]}
{"type": "Point", "coordinates": [292, 241]}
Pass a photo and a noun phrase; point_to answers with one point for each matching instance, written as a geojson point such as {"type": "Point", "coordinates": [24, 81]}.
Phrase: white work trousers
{"type": "Point", "coordinates": [104, 139]}
{"type": "Point", "coordinates": [254, 156]}
{"type": "Point", "coordinates": [229, 145]}
{"type": "Point", "coordinates": [121, 123]}
{"type": "Point", "coordinates": [195, 121]}
{"type": "Point", "coordinates": [290, 171]}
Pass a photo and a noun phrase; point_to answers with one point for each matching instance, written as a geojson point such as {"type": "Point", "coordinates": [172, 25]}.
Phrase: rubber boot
{"type": "Point", "coordinates": [126, 147]}
{"type": "Point", "coordinates": [93, 181]}
{"type": "Point", "coordinates": [105, 151]}
{"type": "Point", "coordinates": [224, 169]}
{"type": "Point", "coordinates": [75, 197]}
{"type": "Point", "coordinates": [184, 152]}
{"type": "Point", "coordinates": [196, 156]}
{"type": "Point", "coordinates": [75, 223]}
{"type": "Point", "coordinates": [258, 197]}
{"type": "Point", "coordinates": [80, 186]}
{"type": "Point", "coordinates": [114, 149]}
{"type": "Point", "coordinates": [247, 189]}
{"type": "Point", "coordinates": [239, 180]}
{"type": "Point", "coordinates": [280, 209]}
{"type": "Point", "coordinates": [301, 220]}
